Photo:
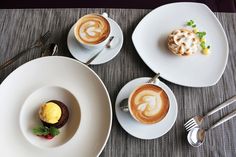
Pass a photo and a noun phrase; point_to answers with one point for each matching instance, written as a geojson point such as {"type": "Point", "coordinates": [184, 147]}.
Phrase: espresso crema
{"type": "Point", "coordinates": [92, 29]}
{"type": "Point", "coordinates": [149, 104]}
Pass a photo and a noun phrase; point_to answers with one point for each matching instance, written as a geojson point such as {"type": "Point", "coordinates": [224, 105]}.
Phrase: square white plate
{"type": "Point", "coordinates": [198, 70]}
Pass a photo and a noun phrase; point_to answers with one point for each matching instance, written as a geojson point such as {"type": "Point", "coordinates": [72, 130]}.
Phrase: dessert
{"type": "Point", "coordinates": [53, 115]}
{"type": "Point", "coordinates": [185, 42]}
{"type": "Point", "coordinates": [182, 42]}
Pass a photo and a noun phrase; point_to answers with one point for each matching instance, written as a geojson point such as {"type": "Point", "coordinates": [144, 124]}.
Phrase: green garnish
{"type": "Point", "coordinates": [201, 34]}
{"type": "Point", "coordinates": [43, 131]}
{"type": "Point", "coordinates": [190, 23]}
{"type": "Point", "coordinates": [54, 131]}
{"type": "Point", "coordinates": [203, 44]}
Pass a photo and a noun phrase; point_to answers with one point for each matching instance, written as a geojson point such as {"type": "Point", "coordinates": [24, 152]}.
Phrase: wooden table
{"type": "Point", "coordinates": [19, 28]}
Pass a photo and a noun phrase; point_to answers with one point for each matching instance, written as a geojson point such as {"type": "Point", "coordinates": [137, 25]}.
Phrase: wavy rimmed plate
{"type": "Point", "coordinates": [95, 106]}
{"type": "Point", "coordinates": [150, 35]}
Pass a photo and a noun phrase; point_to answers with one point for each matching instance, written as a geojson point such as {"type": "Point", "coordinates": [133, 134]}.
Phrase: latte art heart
{"type": "Point", "coordinates": [149, 104]}
{"type": "Point", "coordinates": [92, 29]}
{"type": "Point", "coordinates": [152, 104]}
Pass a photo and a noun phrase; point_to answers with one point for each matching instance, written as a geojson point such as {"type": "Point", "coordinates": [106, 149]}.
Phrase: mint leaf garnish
{"type": "Point", "coordinates": [41, 130]}
{"type": "Point", "coordinates": [44, 130]}
{"type": "Point", "coordinates": [54, 131]}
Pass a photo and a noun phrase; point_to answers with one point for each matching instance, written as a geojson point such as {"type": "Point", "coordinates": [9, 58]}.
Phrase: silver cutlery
{"type": "Point", "coordinates": [50, 50]}
{"type": "Point", "coordinates": [196, 136]}
{"type": "Point", "coordinates": [124, 103]}
{"type": "Point", "coordinates": [108, 45]}
{"type": "Point", "coordinates": [196, 121]}
{"type": "Point", "coordinates": [38, 43]}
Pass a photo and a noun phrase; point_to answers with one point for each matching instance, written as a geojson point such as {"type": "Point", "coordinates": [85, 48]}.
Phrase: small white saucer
{"type": "Point", "coordinates": [82, 54]}
{"type": "Point", "coordinates": [137, 129]}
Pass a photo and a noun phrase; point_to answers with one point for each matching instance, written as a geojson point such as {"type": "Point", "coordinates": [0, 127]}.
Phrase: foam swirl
{"type": "Point", "coordinates": [93, 29]}
{"type": "Point", "coordinates": [149, 104]}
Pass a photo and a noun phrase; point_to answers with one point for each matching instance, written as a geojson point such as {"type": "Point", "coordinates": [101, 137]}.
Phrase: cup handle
{"type": "Point", "coordinates": [105, 15]}
{"type": "Point", "coordinates": [124, 105]}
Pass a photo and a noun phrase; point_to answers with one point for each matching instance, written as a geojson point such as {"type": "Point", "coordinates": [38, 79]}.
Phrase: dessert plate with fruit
{"type": "Point", "coordinates": [184, 42]}
{"type": "Point", "coordinates": [50, 117]}
{"type": "Point", "coordinates": [64, 110]}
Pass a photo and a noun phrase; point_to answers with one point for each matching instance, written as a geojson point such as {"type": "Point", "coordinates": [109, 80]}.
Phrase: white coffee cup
{"type": "Point", "coordinates": [154, 110]}
{"type": "Point", "coordinates": [92, 31]}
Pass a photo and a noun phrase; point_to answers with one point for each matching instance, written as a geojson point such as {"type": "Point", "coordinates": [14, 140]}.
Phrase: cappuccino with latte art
{"type": "Point", "coordinates": [148, 104]}
{"type": "Point", "coordinates": [92, 29]}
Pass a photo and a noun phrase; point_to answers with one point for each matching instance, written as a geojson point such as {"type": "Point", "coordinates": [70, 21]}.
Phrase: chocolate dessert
{"type": "Point", "coordinates": [63, 116]}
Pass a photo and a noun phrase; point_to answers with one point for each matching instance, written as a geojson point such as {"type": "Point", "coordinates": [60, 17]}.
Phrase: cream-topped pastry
{"type": "Point", "coordinates": [149, 104]}
{"type": "Point", "coordinates": [183, 42]}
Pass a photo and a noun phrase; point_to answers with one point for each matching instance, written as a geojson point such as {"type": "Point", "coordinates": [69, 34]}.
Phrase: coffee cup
{"type": "Point", "coordinates": [148, 103]}
{"type": "Point", "coordinates": [92, 31]}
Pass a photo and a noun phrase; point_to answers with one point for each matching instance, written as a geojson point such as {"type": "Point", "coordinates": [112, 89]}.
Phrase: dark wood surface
{"type": "Point", "coordinates": [215, 5]}
{"type": "Point", "coordinates": [19, 28]}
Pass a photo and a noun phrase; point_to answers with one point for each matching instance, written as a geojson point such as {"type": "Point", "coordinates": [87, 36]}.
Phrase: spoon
{"type": "Point", "coordinates": [50, 50]}
{"type": "Point", "coordinates": [108, 45]}
{"type": "Point", "coordinates": [196, 136]}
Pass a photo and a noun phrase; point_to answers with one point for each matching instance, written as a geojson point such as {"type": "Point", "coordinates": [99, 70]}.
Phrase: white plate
{"type": "Point", "coordinates": [29, 115]}
{"type": "Point", "coordinates": [81, 82]}
{"type": "Point", "coordinates": [198, 70]}
{"type": "Point", "coordinates": [82, 54]}
{"type": "Point", "coordinates": [137, 129]}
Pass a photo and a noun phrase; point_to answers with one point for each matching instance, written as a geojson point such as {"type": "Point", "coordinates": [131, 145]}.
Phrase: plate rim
{"type": "Point", "coordinates": [81, 64]}
{"type": "Point", "coordinates": [220, 26]}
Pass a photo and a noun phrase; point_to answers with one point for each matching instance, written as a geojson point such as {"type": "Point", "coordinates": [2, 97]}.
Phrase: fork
{"type": "Point", "coordinates": [196, 121]}
{"type": "Point", "coordinates": [38, 43]}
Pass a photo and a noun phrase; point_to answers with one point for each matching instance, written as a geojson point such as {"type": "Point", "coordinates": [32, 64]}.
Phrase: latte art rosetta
{"type": "Point", "coordinates": [93, 29]}
{"type": "Point", "coordinates": [149, 104]}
